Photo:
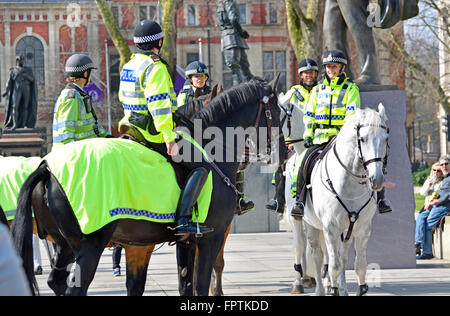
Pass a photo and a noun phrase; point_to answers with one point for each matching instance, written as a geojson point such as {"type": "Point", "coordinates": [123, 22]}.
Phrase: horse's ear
{"type": "Point", "coordinates": [274, 83]}
{"type": "Point", "coordinates": [382, 111]}
{"type": "Point", "coordinates": [214, 92]}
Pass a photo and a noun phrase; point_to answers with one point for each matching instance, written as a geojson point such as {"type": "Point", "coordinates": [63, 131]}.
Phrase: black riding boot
{"type": "Point", "coordinates": [278, 202]}
{"type": "Point", "coordinates": [300, 199]}
{"type": "Point", "coordinates": [194, 184]}
{"type": "Point", "coordinates": [243, 205]}
{"type": "Point", "coordinates": [383, 206]}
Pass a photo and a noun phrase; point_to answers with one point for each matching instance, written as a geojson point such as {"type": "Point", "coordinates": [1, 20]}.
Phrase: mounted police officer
{"type": "Point", "coordinates": [308, 71]}
{"type": "Point", "coordinates": [195, 85]}
{"type": "Point", "coordinates": [74, 116]}
{"type": "Point", "coordinates": [148, 98]}
{"type": "Point", "coordinates": [334, 99]}
{"type": "Point", "coordinates": [233, 40]}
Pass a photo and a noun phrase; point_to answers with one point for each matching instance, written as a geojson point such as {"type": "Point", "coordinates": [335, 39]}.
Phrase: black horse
{"type": "Point", "coordinates": [247, 105]}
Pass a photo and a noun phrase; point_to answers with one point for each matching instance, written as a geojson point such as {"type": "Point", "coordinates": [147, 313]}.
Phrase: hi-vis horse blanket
{"type": "Point", "coordinates": [106, 179]}
{"type": "Point", "coordinates": [14, 171]}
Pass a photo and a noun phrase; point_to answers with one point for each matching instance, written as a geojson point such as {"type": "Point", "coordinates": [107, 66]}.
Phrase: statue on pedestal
{"type": "Point", "coordinates": [21, 105]}
{"type": "Point", "coordinates": [233, 40]}
{"type": "Point", "coordinates": [354, 15]}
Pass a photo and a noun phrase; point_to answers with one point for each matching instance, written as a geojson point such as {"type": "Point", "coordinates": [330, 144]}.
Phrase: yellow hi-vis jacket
{"type": "Point", "coordinates": [72, 121]}
{"type": "Point", "coordinates": [148, 97]}
{"type": "Point", "coordinates": [328, 107]}
{"type": "Point", "coordinates": [300, 97]}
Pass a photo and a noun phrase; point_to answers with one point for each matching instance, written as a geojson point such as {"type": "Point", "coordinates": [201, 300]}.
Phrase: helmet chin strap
{"type": "Point", "coordinates": [87, 77]}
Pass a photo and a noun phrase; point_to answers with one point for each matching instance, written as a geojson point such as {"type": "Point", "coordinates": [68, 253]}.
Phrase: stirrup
{"type": "Point", "coordinates": [298, 210]}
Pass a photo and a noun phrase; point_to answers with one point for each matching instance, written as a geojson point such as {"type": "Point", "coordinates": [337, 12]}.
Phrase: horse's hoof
{"type": "Point", "coordinates": [333, 291]}
{"type": "Point", "coordinates": [297, 289]}
{"type": "Point", "coordinates": [218, 293]}
{"type": "Point", "coordinates": [362, 289]}
{"type": "Point", "coordinates": [309, 283]}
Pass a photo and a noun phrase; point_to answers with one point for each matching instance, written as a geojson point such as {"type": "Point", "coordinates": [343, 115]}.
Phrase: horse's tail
{"type": "Point", "coordinates": [22, 228]}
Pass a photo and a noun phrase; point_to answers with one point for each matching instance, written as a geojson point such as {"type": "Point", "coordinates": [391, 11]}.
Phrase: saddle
{"type": "Point", "coordinates": [310, 161]}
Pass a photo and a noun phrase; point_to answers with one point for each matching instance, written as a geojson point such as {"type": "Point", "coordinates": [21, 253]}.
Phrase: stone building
{"type": "Point", "coordinates": [49, 31]}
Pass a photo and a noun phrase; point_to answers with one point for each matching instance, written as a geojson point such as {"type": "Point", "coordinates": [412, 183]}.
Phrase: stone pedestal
{"type": "Point", "coordinates": [258, 187]}
{"type": "Point", "coordinates": [391, 244]}
{"type": "Point", "coordinates": [21, 142]}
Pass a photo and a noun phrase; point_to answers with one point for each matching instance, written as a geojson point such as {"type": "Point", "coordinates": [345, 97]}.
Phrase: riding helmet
{"type": "Point", "coordinates": [77, 65]}
{"type": "Point", "coordinates": [334, 57]}
{"type": "Point", "coordinates": [196, 68]}
{"type": "Point", "coordinates": [148, 34]}
{"type": "Point", "coordinates": [307, 64]}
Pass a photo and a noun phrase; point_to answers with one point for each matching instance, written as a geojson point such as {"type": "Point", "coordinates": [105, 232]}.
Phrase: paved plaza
{"type": "Point", "coordinates": [261, 264]}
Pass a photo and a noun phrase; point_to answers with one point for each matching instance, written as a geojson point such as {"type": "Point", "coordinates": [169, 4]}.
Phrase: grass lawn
{"type": "Point", "coordinates": [420, 201]}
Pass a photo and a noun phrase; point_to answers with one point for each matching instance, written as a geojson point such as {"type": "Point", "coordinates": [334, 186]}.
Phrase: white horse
{"type": "Point", "coordinates": [343, 200]}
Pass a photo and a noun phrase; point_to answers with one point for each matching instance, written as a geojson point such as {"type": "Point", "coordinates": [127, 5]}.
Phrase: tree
{"type": "Point", "coordinates": [304, 19]}
{"type": "Point", "coordinates": [169, 26]}
{"type": "Point", "coordinates": [114, 32]}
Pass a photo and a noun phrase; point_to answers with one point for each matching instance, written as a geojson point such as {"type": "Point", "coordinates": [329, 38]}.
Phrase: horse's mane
{"type": "Point", "coordinates": [231, 100]}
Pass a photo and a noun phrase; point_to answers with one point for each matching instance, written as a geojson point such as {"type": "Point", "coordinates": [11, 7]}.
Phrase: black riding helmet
{"type": "Point", "coordinates": [334, 57]}
{"type": "Point", "coordinates": [148, 34]}
{"type": "Point", "coordinates": [195, 68]}
{"type": "Point", "coordinates": [307, 64]}
{"type": "Point", "coordinates": [77, 65]}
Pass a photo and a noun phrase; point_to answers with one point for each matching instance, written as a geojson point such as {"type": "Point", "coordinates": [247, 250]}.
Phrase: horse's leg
{"type": "Point", "coordinates": [313, 237]}
{"type": "Point", "coordinates": [57, 279]}
{"type": "Point", "coordinates": [208, 249]}
{"type": "Point", "coordinates": [361, 262]}
{"type": "Point", "coordinates": [218, 269]}
{"type": "Point", "coordinates": [137, 260]}
{"type": "Point", "coordinates": [186, 253]}
{"type": "Point", "coordinates": [45, 227]}
{"type": "Point", "coordinates": [86, 260]}
{"type": "Point", "coordinates": [299, 249]}
{"type": "Point", "coordinates": [333, 241]}
{"type": "Point", "coordinates": [342, 281]}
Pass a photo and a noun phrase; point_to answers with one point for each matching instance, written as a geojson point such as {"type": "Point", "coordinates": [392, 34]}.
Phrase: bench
{"type": "Point", "coordinates": [441, 238]}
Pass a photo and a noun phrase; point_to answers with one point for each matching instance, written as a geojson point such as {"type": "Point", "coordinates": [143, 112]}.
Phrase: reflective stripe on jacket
{"type": "Point", "coordinates": [328, 108]}
{"type": "Point", "coordinates": [148, 97]}
{"type": "Point", "coordinates": [71, 122]}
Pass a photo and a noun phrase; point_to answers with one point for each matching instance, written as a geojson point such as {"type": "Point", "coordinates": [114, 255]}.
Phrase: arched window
{"type": "Point", "coordinates": [33, 50]}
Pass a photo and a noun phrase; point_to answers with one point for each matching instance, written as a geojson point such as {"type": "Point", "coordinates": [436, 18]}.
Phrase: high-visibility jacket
{"type": "Point", "coordinates": [148, 97]}
{"type": "Point", "coordinates": [300, 97]}
{"type": "Point", "coordinates": [328, 107]}
{"type": "Point", "coordinates": [188, 94]}
{"type": "Point", "coordinates": [73, 119]}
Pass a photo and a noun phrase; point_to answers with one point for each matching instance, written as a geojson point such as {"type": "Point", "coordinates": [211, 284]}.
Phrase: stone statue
{"type": "Point", "coordinates": [343, 14]}
{"type": "Point", "coordinates": [21, 106]}
{"type": "Point", "coordinates": [233, 40]}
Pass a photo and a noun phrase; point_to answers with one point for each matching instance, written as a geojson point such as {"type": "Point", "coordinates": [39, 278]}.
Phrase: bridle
{"type": "Point", "coordinates": [353, 216]}
{"type": "Point", "coordinates": [364, 162]}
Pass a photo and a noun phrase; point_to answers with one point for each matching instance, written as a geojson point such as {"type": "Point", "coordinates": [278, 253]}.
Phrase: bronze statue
{"type": "Point", "coordinates": [233, 41]}
{"type": "Point", "coordinates": [343, 14]}
{"type": "Point", "coordinates": [21, 106]}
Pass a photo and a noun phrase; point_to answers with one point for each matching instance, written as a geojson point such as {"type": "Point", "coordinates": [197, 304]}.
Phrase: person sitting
{"type": "Point", "coordinates": [334, 99]}
{"type": "Point", "coordinates": [196, 83]}
{"type": "Point", "coordinates": [74, 116]}
{"type": "Point", "coordinates": [436, 206]}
